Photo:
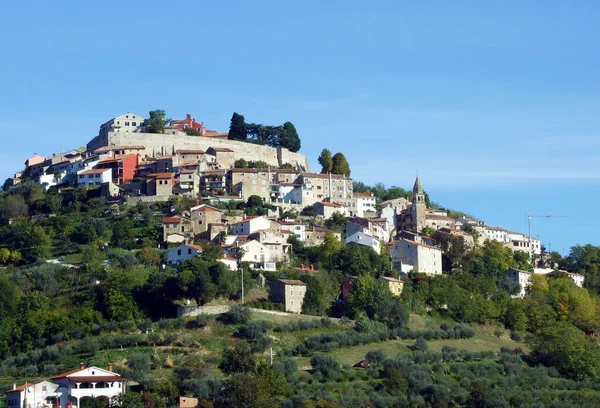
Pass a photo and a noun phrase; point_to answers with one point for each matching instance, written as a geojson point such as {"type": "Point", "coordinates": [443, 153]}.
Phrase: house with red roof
{"type": "Point", "coordinates": [182, 253]}
{"type": "Point", "coordinates": [70, 389]}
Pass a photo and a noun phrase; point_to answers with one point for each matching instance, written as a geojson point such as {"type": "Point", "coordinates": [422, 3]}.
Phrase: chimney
{"type": "Point", "coordinates": [14, 385]}
{"type": "Point", "coordinates": [81, 366]}
{"type": "Point", "coordinates": [312, 268]}
{"type": "Point", "coordinates": [302, 266]}
{"type": "Point", "coordinates": [188, 116]}
{"type": "Point", "coordinates": [110, 367]}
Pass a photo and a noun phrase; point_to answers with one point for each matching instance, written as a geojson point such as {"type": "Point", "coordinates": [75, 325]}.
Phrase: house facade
{"type": "Point", "coordinates": [250, 225]}
{"type": "Point", "coordinates": [290, 292]}
{"type": "Point", "coordinates": [408, 255]}
{"type": "Point", "coordinates": [86, 383]}
{"type": "Point", "coordinates": [94, 177]}
{"type": "Point", "coordinates": [182, 253]}
{"type": "Point", "coordinates": [521, 277]}
{"type": "Point", "coordinates": [361, 238]}
{"type": "Point", "coordinates": [126, 123]}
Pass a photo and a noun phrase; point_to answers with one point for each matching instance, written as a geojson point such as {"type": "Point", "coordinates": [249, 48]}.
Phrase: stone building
{"type": "Point", "coordinates": [290, 292]}
{"type": "Point", "coordinates": [203, 216]}
{"type": "Point", "coordinates": [408, 255]}
{"type": "Point", "coordinates": [177, 229]}
{"type": "Point", "coordinates": [160, 184]}
{"type": "Point", "coordinates": [127, 123]}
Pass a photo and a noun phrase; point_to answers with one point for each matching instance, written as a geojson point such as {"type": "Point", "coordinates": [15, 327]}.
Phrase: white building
{"type": "Point", "coordinates": [183, 252]}
{"type": "Point", "coordinates": [415, 255]}
{"type": "Point", "coordinates": [286, 193]}
{"type": "Point", "coordinates": [250, 225]}
{"type": "Point", "coordinates": [496, 234]}
{"type": "Point", "coordinates": [577, 278]}
{"type": "Point", "coordinates": [521, 277]}
{"type": "Point", "coordinates": [31, 394]}
{"type": "Point", "coordinates": [367, 240]}
{"type": "Point", "coordinates": [80, 385]}
{"type": "Point", "coordinates": [365, 204]}
{"type": "Point", "coordinates": [94, 177]}
{"type": "Point", "coordinates": [128, 122]}
{"type": "Point", "coordinates": [377, 227]}
{"type": "Point", "coordinates": [230, 262]}
{"type": "Point", "coordinates": [254, 251]}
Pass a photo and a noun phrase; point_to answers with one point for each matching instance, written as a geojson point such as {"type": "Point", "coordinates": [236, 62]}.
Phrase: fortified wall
{"type": "Point", "coordinates": [161, 144]}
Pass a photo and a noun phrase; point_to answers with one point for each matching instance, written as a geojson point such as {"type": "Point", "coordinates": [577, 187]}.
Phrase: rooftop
{"type": "Point", "coordinates": [292, 282]}
{"type": "Point", "coordinates": [162, 175]}
{"type": "Point", "coordinates": [94, 171]}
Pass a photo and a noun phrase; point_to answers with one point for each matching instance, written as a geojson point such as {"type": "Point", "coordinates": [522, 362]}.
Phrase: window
{"type": "Point", "coordinates": [189, 251]}
{"type": "Point", "coordinates": [126, 123]}
{"type": "Point", "coordinates": [97, 175]}
{"type": "Point", "coordinates": [179, 252]}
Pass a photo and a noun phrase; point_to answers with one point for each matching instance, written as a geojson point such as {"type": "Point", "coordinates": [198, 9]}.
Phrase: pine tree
{"type": "Point", "coordinates": [237, 128]}
{"type": "Point", "coordinates": [340, 165]}
{"type": "Point", "coordinates": [289, 137]}
{"type": "Point", "coordinates": [325, 161]}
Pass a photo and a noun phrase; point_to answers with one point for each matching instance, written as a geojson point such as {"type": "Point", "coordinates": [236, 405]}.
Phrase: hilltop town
{"type": "Point", "coordinates": [126, 162]}
{"type": "Point", "coordinates": [141, 248]}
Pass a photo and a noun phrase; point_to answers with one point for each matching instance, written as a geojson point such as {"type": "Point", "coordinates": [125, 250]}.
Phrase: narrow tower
{"type": "Point", "coordinates": [418, 207]}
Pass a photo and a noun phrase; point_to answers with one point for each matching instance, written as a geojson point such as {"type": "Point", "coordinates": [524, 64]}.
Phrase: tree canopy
{"type": "Point", "coordinates": [325, 161]}
{"type": "Point", "coordinates": [237, 128]}
{"type": "Point", "coordinates": [340, 165]}
{"type": "Point", "coordinates": [156, 122]}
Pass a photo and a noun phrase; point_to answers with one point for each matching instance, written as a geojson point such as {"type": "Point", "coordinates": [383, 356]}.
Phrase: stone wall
{"type": "Point", "coordinates": [191, 311]}
{"type": "Point", "coordinates": [159, 144]}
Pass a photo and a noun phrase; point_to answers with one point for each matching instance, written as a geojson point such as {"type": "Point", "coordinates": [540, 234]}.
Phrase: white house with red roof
{"type": "Point", "coordinates": [250, 225]}
{"type": "Point", "coordinates": [32, 394]}
{"type": "Point", "coordinates": [77, 386]}
{"type": "Point", "coordinates": [182, 253]}
{"type": "Point", "coordinates": [230, 262]}
{"type": "Point", "coordinates": [94, 177]}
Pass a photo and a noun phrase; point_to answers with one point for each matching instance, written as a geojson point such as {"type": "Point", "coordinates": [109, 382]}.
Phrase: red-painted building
{"type": "Point", "coordinates": [188, 123]}
{"type": "Point", "coordinates": [124, 168]}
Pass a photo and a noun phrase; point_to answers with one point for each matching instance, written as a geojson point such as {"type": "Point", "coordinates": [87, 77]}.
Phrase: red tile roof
{"type": "Point", "coordinates": [171, 220]}
{"type": "Point", "coordinates": [94, 171]}
{"type": "Point", "coordinates": [222, 150]}
{"type": "Point", "coordinates": [63, 375]}
{"type": "Point", "coordinates": [95, 378]}
{"type": "Point", "coordinates": [162, 175]}
{"type": "Point", "coordinates": [196, 247]}
{"type": "Point", "coordinates": [326, 204]}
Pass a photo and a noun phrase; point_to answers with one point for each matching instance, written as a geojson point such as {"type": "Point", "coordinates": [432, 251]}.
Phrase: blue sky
{"type": "Point", "coordinates": [496, 106]}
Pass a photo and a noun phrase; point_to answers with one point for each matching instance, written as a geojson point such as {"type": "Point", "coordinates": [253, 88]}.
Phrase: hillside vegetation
{"type": "Point", "coordinates": [82, 281]}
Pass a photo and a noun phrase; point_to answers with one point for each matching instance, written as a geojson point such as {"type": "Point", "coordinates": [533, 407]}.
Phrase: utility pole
{"type": "Point", "coordinates": [271, 354]}
{"type": "Point", "coordinates": [242, 273]}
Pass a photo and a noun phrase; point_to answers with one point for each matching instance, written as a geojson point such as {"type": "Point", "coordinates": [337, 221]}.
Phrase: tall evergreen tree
{"type": "Point", "coordinates": [237, 128]}
{"type": "Point", "coordinates": [289, 137]}
{"type": "Point", "coordinates": [340, 165]}
{"type": "Point", "coordinates": [325, 161]}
